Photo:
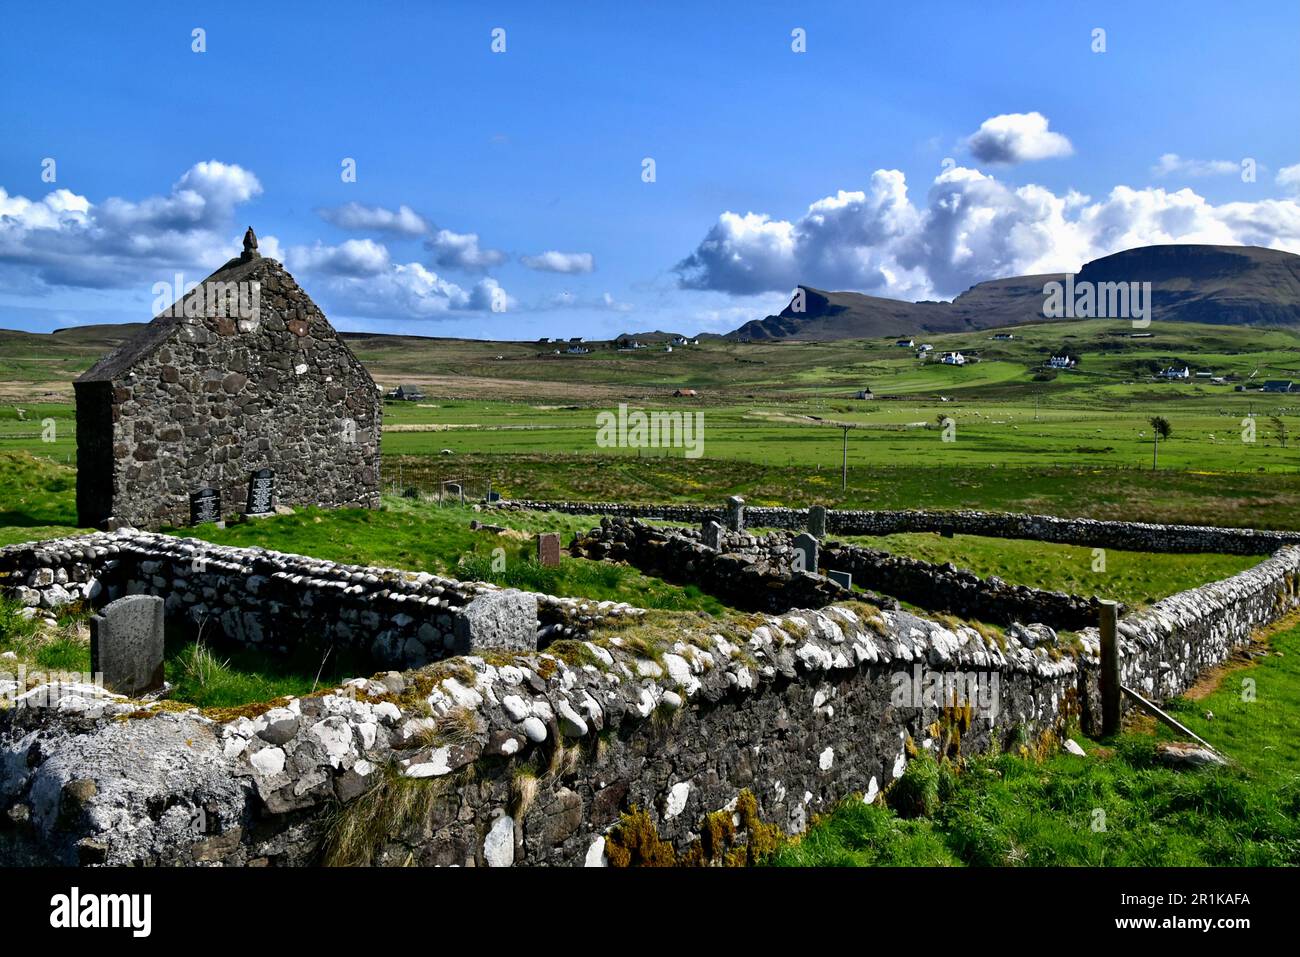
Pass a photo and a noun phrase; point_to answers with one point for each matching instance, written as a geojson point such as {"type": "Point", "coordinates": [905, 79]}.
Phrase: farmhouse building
{"type": "Point", "coordinates": [1177, 371]}
{"type": "Point", "coordinates": [1278, 385]}
{"type": "Point", "coordinates": [407, 393]}
{"type": "Point", "coordinates": [1064, 361]}
{"type": "Point", "coordinates": [237, 398]}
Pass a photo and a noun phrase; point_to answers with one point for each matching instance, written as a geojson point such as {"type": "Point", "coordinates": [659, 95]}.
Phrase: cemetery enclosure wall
{"type": "Point", "coordinates": [285, 604]}
{"type": "Point", "coordinates": [799, 710]}
{"type": "Point", "coordinates": [757, 572]}
{"type": "Point", "coordinates": [1092, 533]}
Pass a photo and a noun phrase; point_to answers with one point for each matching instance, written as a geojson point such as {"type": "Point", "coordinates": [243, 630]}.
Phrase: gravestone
{"type": "Point", "coordinates": [452, 489]}
{"type": "Point", "coordinates": [805, 557]}
{"type": "Point", "coordinates": [712, 536]}
{"type": "Point", "coordinates": [843, 579]}
{"type": "Point", "coordinates": [494, 496]}
{"type": "Point", "coordinates": [817, 521]}
{"type": "Point", "coordinates": [736, 513]}
{"type": "Point", "coordinates": [205, 506]}
{"type": "Point", "coordinates": [946, 531]}
{"type": "Point", "coordinates": [126, 645]}
{"type": "Point", "coordinates": [548, 549]}
{"type": "Point", "coordinates": [261, 493]}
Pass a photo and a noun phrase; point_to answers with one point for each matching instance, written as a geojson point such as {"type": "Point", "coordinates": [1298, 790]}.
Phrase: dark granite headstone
{"type": "Point", "coordinates": [205, 506]}
{"type": "Point", "coordinates": [494, 496]}
{"type": "Point", "coordinates": [126, 644]}
{"type": "Point", "coordinates": [805, 553]}
{"type": "Point", "coordinates": [548, 549]}
{"type": "Point", "coordinates": [261, 492]}
{"type": "Point", "coordinates": [844, 579]}
{"type": "Point", "coordinates": [946, 531]}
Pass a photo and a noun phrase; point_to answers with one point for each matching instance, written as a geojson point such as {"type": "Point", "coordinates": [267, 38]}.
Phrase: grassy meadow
{"type": "Point", "coordinates": [1000, 434]}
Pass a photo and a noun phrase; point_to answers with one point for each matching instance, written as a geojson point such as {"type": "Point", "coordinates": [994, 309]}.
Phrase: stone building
{"type": "Point", "coordinates": [237, 398]}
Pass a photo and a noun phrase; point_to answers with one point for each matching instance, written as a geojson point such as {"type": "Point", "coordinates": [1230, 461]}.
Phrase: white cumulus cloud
{"type": "Point", "coordinates": [1171, 164]}
{"type": "Point", "coordinates": [971, 227]}
{"type": "Point", "coordinates": [1017, 138]}
{"type": "Point", "coordinates": [402, 221]}
{"type": "Point", "coordinates": [64, 239]}
{"type": "Point", "coordinates": [553, 261]}
{"type": "Point", "coordinates": [454, 250]}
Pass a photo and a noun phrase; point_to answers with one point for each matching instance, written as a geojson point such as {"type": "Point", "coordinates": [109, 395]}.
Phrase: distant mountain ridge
{"type": "Point", "coordinates": [1222, 285]}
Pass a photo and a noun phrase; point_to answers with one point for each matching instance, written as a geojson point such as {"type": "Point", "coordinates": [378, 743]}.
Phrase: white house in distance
{"type": "Point", "coordinates": [1065, 361]}
{"type": "Point", "coordinates": [905, 343]}
{"type": "Point", "coordinates": [1004, 336]}
{"type": "Point", "coordinates": [922, 349]}
{"type": "Point", "coordinates": [953, 359]}
{"type": "Point", "coordinates": [1177, 371]}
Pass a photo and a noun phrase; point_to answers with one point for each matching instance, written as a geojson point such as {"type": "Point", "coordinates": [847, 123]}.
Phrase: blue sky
{"type": "Point", "coordinates": [772, 167]}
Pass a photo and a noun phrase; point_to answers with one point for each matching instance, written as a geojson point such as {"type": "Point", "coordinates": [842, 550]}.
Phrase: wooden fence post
{"type": "Point", "coordinates": [1110, 677]}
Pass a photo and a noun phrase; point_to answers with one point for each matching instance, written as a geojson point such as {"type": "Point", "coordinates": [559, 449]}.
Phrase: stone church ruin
{"type": "Point", "coordinates": [237, 398]}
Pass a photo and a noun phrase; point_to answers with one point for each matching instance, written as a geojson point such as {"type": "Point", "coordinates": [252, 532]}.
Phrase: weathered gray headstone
{"type": "Point", "coordinates": [712, 534]}
{"type": "Point", "coordinates": [805, 553]}
{"type": "Point", "coordinates": [548, 549]}
{"type": "Point", "coordinates": [844, 579]}
{"type": "Point", "coordinates": [126, 644]}
{"type": "Point", "coordinates": [817, 521]}
{"type": "Point", "coordinates": [736, 513]}
{"type": "Point", "coordinates": [504, 620]}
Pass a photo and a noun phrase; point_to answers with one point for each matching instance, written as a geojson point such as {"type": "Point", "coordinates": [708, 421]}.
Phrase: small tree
{"type": "Point", "coordinates": [1160, 429]}
{"type": "Point", "coordinates": [1279, 426]}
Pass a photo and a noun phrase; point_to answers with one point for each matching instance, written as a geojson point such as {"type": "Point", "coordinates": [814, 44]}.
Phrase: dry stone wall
{"type": "Point", "coordinates": [283, 604]}
{"type": "Point", "coordinates": [531, 757]}
{"type": "Point", "coordinates": [750, 572]}
{"type": "Point", "coordinates": [1128, 536]}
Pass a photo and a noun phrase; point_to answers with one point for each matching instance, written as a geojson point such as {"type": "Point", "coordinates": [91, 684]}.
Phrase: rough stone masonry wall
{"type": "Point", "coordinates": [799, 709]}
{"type": "Point", "coordinates": [957, 591]}
{"type": "Point", "coordinates": [1127, 536]}
{"type": "Point", "coordinates": [222, 398]}
{"type": "Point", "coordinates": [281, 603]}
{"type": "Point", "coordinates": [753, 571]}
{"type": "Point", "coordinates": [529, 761]}
{"type": "Point", "coordinates": [755, 576]}
{"type": "Point", "coordinates": [1164, 648]}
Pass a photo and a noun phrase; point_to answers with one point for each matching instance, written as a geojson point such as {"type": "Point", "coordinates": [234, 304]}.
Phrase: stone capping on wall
{"type": "Point", "coordinates": [1094, 533]}
{"type": "Point", "coordinates": [276, 600]}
